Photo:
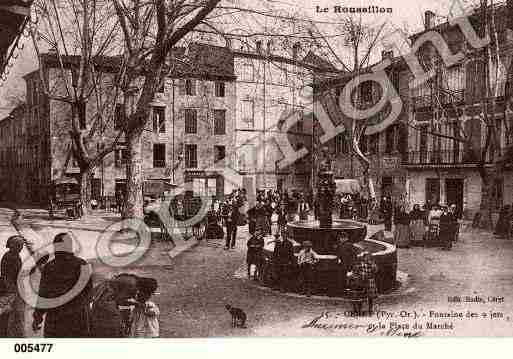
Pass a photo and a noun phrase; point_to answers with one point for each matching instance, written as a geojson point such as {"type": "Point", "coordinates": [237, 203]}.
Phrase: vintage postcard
{"type": "Point", "coordinates": [236, 168]}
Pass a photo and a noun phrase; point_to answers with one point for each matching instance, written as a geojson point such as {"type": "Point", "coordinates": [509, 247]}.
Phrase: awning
{"type": "Point", "coordinates": [351, 186]}
{"type": "Point", "coordinates": [66, 180]}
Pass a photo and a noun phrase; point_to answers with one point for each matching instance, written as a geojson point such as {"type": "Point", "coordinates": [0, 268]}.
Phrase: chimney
{"type": "Point", "coordinates": [295, 50]}
{"type": "Point", "coordinates": [259, 46]}
{"type": "Point", "coordinates": [429, 17]}
{"type": "Point", "coordinates": [387, 54]}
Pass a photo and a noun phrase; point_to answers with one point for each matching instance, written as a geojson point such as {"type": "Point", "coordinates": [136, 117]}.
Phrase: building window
{"type": "Point", "coordinates": [248, 72]}
{"type": "Point", "coordinates": [374, 143]}
{"type": "Point", "coordinates": [363, 143]}
{"type": "Point", "coordinates": [246, 157]}
{"type": "Point", "coordinates": [219, 89]}
{"type": "Point", "coordinates": [190, 87]}
{"type": "Point", "coordinates": [191, 120]}
{"type": "Point", "coordinates": [159, 155]}
{"type": "Point", "coordinates": [498, 193]}
{"type": "Point", "coordinates": [159, 119]}
{"type": "Point", "coordinates": [366, 91]}
{"type": "Point", "coordinates": [120, 155]}
{"type": "Point", "coordinates": [81, 113]}
{"type": "Point", "coordinates": [219, 122]}
{"type": "Point", "coordinates": [191, 156]}
{"type": "Point", "coordinates": [119, 117]}
{"type": "Point", "coordinates": [162, 87]}
{"type": "Point", "coordinates": [300, 125]}
{"type": "Point", "coordinates": [341, 144]}
{"type": "Point", "coordinates": [248, 113]}
{"type": "Point", "coordinates": [219, 153]}
{"type": "Point", "coordinates": [390, 139]}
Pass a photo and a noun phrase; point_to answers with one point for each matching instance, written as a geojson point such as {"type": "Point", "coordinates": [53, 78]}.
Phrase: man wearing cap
{"type": "Point", "coordinates": [254, 255]}
{"type": "Point", "coordinates": [67, 280]}
{"type": "Point", "coordinates": [306, 260]}
{"type": "Point", "coordinates": [10, 269]}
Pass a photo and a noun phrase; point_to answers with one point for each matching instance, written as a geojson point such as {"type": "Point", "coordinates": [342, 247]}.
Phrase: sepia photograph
{"type": "Point", "coordinates": [255, 169]}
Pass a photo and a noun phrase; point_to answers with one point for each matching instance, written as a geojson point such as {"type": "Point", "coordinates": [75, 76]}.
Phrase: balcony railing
{"type": "Point", "coordinates": [455, 96]}
{"type": "Point", "coordinates": [450, 157]}
{"type": "Point", "coordinates": [447, 157]}
{"type": "Point", "coordinates": [159, 163]}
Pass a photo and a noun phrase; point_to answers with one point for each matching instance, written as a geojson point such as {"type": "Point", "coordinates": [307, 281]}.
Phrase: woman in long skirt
{"type": "Point", "coordinates": [402, 228]}
{"type": "Point", "coordinates": [417, 224]}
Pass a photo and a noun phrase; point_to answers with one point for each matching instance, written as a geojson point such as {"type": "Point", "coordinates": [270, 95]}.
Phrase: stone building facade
{"type": "Point", "coordinates": [187, 139]}
{"type": "Point", "coordinates": [271, 84]}
{"type": "Point", "coordinates": [441, 169]}
{"type": "Point", "coordinates": [383, 146]}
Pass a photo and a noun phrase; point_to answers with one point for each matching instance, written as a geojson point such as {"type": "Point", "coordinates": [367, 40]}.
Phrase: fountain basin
{"type": "Point", "coordinates": [323, 243]}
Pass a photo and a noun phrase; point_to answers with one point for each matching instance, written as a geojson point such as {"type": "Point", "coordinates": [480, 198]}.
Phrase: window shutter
{"type": "Point", "coordinates": [194, 86]}
{"type": "Point", "coordinates": [181, 87]}
{"type": "Point", "coordinates": [208, 88]}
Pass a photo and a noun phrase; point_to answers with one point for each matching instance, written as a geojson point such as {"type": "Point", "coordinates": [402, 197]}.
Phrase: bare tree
{"type": "Point", "coordinates": [151, 30]}
{"type": "Point", "coordinates": [352, 50]}
{"type": "Point", "coordinates": [79, 35]}
{"type": "Point", "coordinates": [491, 72]}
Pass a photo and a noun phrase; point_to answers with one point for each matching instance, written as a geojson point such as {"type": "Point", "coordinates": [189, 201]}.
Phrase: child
{"type": "Point", "coordinates": [254, 256]}
{"type": "Point", "coordinates": [364, 270]}
{"type": "Point", "coordinates": [145, 317]}
{"type": "Point", "coordinates": [306, 260]}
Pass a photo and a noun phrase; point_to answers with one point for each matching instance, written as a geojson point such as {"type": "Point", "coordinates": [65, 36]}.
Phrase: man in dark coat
{"type": "Point", "coordinates": [231, 220]}
{"type": "Point", "coordinates": [448, 226]}
{"type": "Point", "coordinates": [66, 275]}
{"type": "Point", "coordinates": [283, 259]}
{"type": "Point", "coordinates": [387, 210]}
{"type": "Point", "coordinates": [346, 253]}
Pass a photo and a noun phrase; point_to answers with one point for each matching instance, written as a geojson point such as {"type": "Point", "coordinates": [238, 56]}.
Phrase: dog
{"type": "Point", "coordinates": [238, 316]}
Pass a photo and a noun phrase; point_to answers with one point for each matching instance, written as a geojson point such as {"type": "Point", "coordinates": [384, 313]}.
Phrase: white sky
{"type": "Point", "coordinates": [405, 12]}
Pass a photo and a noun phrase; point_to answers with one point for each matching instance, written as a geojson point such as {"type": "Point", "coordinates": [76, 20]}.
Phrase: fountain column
{"type": "Point", "coordinates": [325, 191]}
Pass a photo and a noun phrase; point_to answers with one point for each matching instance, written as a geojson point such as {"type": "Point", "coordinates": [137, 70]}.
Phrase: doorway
{"type": "Point", "coordinates": [454, 191]}
{"type": "Point", "coordinates": [432, 191]}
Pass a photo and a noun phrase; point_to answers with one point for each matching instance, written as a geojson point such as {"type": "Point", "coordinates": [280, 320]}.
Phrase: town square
{"type": "Point", "coordinates": [205, 169]}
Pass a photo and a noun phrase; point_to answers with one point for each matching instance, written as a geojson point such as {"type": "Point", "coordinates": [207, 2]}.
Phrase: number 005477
{"type": "Point", "coordinates": [33, 347]}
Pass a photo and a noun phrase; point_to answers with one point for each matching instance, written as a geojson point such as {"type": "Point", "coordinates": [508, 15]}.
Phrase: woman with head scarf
{"type": "Point", "coordinates": [402, 227]}
{"type": "Point", "coordinates": [418, 224]}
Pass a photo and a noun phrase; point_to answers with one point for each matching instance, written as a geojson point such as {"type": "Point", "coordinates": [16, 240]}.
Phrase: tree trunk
{"type": "Point", "coordinates": [85, 191]}
{"type": "Point", "coordinates": [133, 206]}
{"type": "Point", "coordinates": [486, 207]}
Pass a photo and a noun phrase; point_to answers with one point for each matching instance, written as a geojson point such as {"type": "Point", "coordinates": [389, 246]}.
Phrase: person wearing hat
{"type": "Point", "coordinates": [11, 262]}
{"type": "Point", "coordinates": [60, 277]}
{"type": "Point", "coordinates": [365, 270]}
{"type": "Point", "coordinates": [283, 259]}
{"type": "Point", "coordinates": [448, 224]}
{"type": "Point", "coordinates": [254, 255]}
{"type": "Point", "coordinates": [306, 260]}
{"type": "Point", "coordinates": [10, 268]}
{"type": "Point", "coordinates": [346, 256]}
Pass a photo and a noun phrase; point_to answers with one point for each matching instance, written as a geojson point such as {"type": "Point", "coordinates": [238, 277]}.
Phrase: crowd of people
{"type": "Point", "coordinates": [504, 225]}
{"type": "Point", "coordinates": [269, 207]}
{"type": "Point", "coordinates": [118, 307]}
{"type": "Point", "coordinates": [430, 225]}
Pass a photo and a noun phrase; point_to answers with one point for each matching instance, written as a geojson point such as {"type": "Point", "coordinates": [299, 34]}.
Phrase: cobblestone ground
{"type": "Point", "coordinates": [195, 286]}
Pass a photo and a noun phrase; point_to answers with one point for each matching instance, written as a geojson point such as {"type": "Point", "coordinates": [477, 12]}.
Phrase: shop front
{"type": "Point", "coordinates": [205, 183]}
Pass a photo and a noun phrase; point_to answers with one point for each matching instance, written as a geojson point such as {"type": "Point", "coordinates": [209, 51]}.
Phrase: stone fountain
{"type": "Point", "coordinates": [324, 233]}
